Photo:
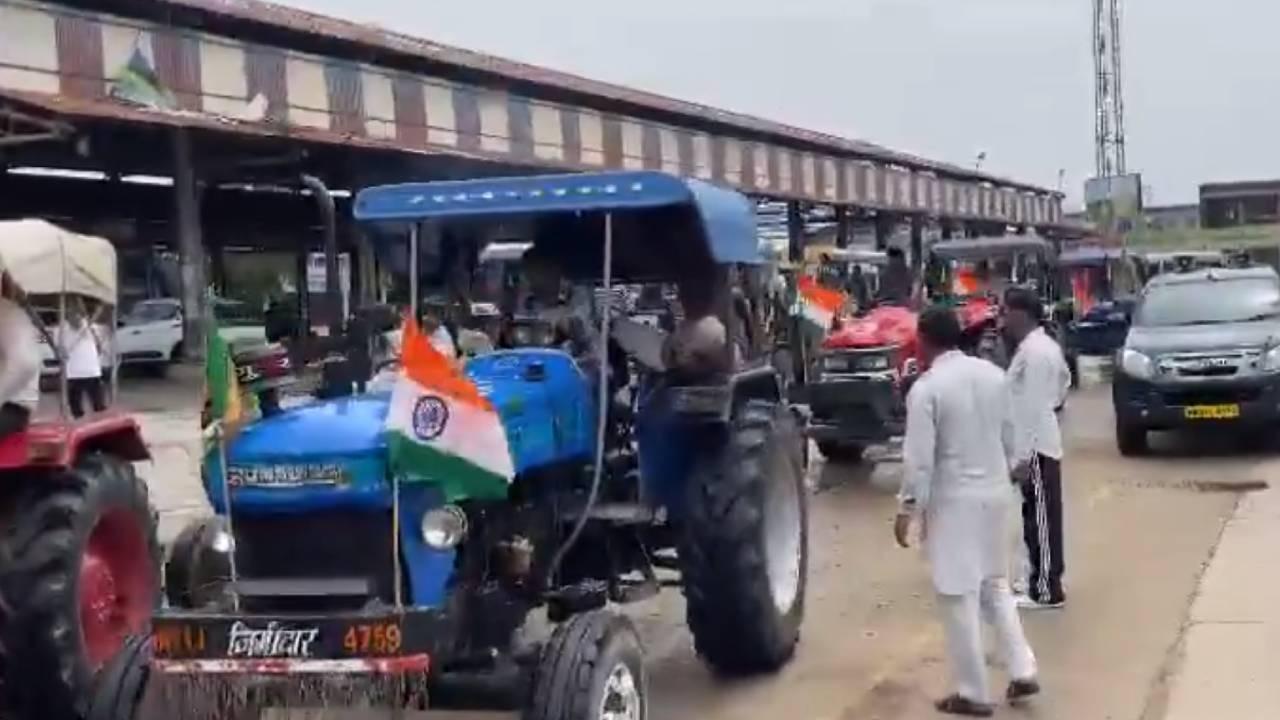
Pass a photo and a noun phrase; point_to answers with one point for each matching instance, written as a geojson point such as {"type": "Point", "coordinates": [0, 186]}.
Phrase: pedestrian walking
{"type": "Point", "coordinates": [1039, 380]}
{"type": "Point", "coordinates": [81, 349]}
{"type": "Point", "coordinates": [957, 455]}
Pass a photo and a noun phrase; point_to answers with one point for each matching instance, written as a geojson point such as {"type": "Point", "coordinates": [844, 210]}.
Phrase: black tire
{"type": "Point", "coordinates": [195, 573]}
{"type": "Point", "coordinates": [840, 451]}
{"type": "Point", "coordinates": [576, 665]}
{"type": "Point", "coordinates": [1131, 440]}
{"type": "Point", "coordinates": [119, 688]}
{"type": "Point", "coordinates": [45, 543]}
{"type": "Point", "coordinates": [738, 626]}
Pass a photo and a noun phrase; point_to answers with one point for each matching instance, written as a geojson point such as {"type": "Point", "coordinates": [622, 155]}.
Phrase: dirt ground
{"type": "Point", "coordinates": [1139, 533]}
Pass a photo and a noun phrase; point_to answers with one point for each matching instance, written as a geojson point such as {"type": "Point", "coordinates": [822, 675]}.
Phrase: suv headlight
{"type": "Point", "coordinates": [1271, 360]}
{"type": "Point", "coordinates": [1136, 365]}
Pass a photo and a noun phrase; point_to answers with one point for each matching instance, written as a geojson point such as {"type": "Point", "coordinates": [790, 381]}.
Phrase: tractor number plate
{"type": "Point", "coordinates": [254, 638]}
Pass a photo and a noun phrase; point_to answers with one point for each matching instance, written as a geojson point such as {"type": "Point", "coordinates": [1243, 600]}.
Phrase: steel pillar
{"type": "Point", "coordinates": [917, 243]}
{"type": "Point", "coordinates": [844, 226]}
{"type": "Point", "coordinates": [190, 244]}
{"type": "Point", "coordinates": [885, 224]}
{"type": "Point", "coordinates": [795, 232]}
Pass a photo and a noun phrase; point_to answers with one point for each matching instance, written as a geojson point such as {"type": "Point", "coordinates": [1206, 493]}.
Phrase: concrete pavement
{"type": "Point", "coordinates": [1228, 665]}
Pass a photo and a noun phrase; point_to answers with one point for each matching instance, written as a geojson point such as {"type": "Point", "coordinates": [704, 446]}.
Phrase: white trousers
{"type": "Point", "coordinates": [962, 617]}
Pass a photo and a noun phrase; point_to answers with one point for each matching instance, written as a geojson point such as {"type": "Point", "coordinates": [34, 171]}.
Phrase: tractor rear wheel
{"type": "Point", "coordinates": [744, 550]}
{"type": "Point", "coordinates": [81, 578]}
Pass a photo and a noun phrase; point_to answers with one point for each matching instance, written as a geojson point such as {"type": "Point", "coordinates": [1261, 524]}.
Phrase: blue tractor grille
{"type": "Point", "coordinates": [286, 551]}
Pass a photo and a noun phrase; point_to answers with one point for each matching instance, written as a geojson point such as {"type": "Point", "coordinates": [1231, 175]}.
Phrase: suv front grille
{"type": "Point", "coordinates": [868, 360]}
{"type": "Point", "coordinates": [1211, 364]}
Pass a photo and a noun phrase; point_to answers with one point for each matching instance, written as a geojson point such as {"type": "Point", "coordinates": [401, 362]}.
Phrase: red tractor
{"type": "Point", "coordinates": [859, 380]}
{"type": "Point", "coordinates": [79, 558]}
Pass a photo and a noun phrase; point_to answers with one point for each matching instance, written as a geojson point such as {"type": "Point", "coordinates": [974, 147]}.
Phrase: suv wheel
{"type": "Point", "coordinates": [1131, 439]}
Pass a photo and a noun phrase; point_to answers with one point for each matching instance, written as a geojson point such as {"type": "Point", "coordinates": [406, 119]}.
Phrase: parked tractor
{"type": "Point", "coordinates": [79, 562]}
{"type": "Point", "coordinates": [325, 563]}
{"type": "Point", "coordinates": [858, 385]}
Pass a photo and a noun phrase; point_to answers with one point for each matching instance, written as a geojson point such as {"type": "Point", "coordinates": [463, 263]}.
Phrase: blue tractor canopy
{"type": "Point", "coordinates": [664, 228]}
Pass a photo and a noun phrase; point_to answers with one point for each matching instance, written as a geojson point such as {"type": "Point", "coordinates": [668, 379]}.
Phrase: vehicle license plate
{"type": "Point", "coordinates": [1212, 412]}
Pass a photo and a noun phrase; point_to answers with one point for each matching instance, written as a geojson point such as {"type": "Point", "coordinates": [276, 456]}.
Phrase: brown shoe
{"type": "Point", "coordinates": [1020, 690]}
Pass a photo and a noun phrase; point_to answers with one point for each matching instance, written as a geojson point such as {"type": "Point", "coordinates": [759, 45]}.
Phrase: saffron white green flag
{"type": "Point", "coordinates": [819, 305]}
{"type": "Point", "coordinates": [441, 429]}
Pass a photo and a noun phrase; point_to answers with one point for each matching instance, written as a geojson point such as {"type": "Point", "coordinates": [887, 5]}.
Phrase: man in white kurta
{"type": "Point", "coordinates": [957, 454]}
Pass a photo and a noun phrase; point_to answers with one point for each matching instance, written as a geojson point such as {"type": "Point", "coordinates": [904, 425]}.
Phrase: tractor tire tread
{"type": "Point", "coordinates": [730, 609]}
{"type": "Point", "coordinates": [562, 681]}
{"type": "Point", "coordinates": [43, 546]}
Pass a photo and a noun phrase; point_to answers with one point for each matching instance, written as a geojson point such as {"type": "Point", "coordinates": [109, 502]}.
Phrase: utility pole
{"type": "Point", "coordinates": [1109, 132]}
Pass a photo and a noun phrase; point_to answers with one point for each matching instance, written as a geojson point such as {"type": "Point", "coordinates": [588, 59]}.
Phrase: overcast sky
{"type": "Point", "coordinates": [941, 78]}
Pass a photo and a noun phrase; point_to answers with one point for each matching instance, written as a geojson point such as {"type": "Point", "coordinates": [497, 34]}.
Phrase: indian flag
{"type": "Point", "coordinates": [442, 430]}
{"type": "Point", "coordinates": [819, 305]}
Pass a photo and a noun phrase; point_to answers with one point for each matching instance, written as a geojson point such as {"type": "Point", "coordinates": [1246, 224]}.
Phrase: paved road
{"type": "Point", "coordinates": [1139, 533]}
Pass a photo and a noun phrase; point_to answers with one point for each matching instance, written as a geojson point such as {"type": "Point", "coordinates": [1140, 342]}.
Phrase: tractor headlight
{"type": "Point", "coordinates": [1136, 365]}
{"type": "Point", "coordinates": [444, 527]}
{"type": "Point", "coordinates": [222, 542]}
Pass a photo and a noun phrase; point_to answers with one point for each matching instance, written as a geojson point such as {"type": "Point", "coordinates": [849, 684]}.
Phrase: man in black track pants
{"type": "Point", "coordinates": [1038, 380]}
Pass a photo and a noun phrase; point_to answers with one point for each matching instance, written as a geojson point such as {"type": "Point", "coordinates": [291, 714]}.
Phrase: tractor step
{"type": "Point", "coordinates": [621, 513]}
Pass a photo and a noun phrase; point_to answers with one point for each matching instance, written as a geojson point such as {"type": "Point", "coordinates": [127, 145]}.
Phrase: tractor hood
{"type": "Point", "coordinates": [334, 452]}
{"type": "Point", "coordinates": [884, 326]}
{"type": "Point", "coordinates": [345, 427]}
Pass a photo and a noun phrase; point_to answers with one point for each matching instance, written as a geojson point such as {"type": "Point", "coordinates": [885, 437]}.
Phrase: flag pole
{"type": "Point", "coordinates": [395, 477]}
{"type": "Point", "coordinates": [218, 430]}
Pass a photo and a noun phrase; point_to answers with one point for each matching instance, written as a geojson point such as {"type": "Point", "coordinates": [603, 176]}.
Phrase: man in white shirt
{"type": "Point", "coordinates": [19, 361]}
{"type": "Point", "coordinates": [1039, 381]}
{"type": "Point", "coordinates": [80, 344]}
{"type": "Point", "coordinates": [957, 455]}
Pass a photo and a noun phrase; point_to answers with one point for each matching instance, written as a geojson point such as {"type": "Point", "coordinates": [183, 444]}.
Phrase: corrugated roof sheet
{"type": "Point", "coordinates": [279, 16]}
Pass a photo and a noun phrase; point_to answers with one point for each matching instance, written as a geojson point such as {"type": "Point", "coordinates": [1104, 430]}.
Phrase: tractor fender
{"type": "Point", "coordinates": [116, 435]}
{"type": "Point", "coordinates": [60, 443]}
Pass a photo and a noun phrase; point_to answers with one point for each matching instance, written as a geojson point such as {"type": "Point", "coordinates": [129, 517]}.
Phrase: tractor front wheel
{"type": "Point", "coordinates": [81, 577]}
{"type": "Point", "coordinates": [744, 550]}
{"type": "Point", "coordinates": [120, 686]}
{"type": "Point", "coordinates": [592, 668]}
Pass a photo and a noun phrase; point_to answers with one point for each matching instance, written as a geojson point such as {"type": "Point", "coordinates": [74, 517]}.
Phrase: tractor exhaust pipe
{"type": "Point", "coordinates": [329, 227]}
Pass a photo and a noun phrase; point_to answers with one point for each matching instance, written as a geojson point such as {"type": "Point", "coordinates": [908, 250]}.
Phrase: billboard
{"type": "Point", "coordinates": [1114, 205]}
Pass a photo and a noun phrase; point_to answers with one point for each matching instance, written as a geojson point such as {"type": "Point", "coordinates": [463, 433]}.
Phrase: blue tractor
{"type": "Point", "coordinates": [634, 469]}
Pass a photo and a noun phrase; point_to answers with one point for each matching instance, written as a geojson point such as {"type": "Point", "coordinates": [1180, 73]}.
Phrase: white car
{"type": "Point", "coordinates": [150, 335]}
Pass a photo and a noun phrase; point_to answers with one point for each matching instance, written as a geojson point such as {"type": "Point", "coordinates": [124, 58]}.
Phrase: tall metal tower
{"type": "Point", "coordinates": [1109, 88]}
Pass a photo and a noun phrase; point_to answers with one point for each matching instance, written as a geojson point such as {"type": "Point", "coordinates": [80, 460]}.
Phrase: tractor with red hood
{"type": "Point", "coordinates": [79, 561]}
{"type": "Point", "coordinates": [866, 364]}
